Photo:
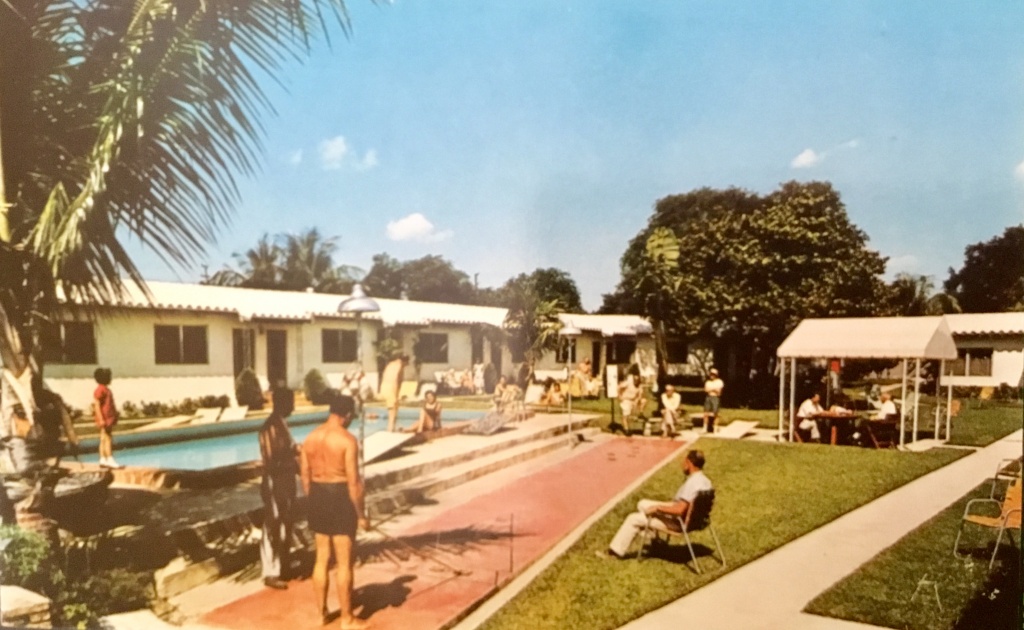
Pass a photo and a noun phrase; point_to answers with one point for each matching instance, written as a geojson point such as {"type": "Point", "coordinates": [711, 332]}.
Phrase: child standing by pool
{"type": "Point", "coordinates": [104, 413]}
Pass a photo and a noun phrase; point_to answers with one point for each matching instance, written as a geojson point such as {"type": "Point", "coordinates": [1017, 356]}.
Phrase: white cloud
{"type": "Point", "coordinates": [807, 159]}
{"type": "Point", "coordinates": [336, 154]}
{"type": "Point", "coordinates": [908, 263]}
{"type": "Point", "coordinates": [333, 152]}
{"type": "Point", "coordinates": [416, 227]}
{"type": "Point", "coordinates": [295, 157]}
{"type": "Point", "coordinates": [369, 161]}
{"type": "Point", "coordinates": [1019, 172]}
{"type": "Point", "coordinates": [851, 144]}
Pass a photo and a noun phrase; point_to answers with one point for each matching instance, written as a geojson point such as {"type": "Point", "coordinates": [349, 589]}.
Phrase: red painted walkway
{"type": "Point", "coordinates": [396, 588]}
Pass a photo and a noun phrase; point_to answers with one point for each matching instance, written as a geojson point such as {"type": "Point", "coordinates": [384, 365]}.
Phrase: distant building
{"type": "Point", "coordinates": [192, 340]}
{"type": "Point", "coordinates": [990, 348]}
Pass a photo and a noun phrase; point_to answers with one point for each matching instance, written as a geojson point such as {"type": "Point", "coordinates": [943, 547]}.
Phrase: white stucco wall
{"type": "Point", "coordinates": [125, 345]}
{"type": "Point", "coordinates": [1007, 362]}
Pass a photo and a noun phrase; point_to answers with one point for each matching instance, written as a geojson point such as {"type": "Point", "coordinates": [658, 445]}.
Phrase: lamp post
{"type": "Point", "coordinates": [358, 303]}
{"type": "Point", "coordinates": [569, 333]}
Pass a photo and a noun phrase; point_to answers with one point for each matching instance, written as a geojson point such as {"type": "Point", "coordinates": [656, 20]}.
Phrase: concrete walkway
{"type": "Point", "coordinates": [429, 573]}
{"type": "Point", "coordinates": [769, 593]}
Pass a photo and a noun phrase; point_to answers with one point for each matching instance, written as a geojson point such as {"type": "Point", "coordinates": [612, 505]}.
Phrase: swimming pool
{"type": "Point", "coordinates": [203, 453]}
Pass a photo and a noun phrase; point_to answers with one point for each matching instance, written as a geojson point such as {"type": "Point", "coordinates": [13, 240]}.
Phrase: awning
{"type": "Point", "coordinates": [870, 338]}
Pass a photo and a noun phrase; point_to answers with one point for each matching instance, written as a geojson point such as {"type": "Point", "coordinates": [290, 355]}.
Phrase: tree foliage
{"type": "Point", "coordinates": [911, 295]}
{"type": "Point", "coordinates": [427, 279]}
{"type": "Point", "coordinates": [992, 276]}
{"type": "Point", "coordinates": [745, 269]}
{"type": "Point", "coordinates": [289, 262]}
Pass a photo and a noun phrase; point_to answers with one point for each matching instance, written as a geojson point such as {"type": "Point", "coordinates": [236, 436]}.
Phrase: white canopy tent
{"type": "Point", "coordinates": [906, 338]}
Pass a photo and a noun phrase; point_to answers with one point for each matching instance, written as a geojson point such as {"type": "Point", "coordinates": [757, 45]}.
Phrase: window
{"type": "Point", "coordinates": [432, 348]}
{"type": "Point", "coordinates": [71, 343]}
{"type": "Point", "coordinates": [566, 351]}
{"type": "Point", "coordinates": [180, 345]}
{"type": "Point", "coordinates": [972, 362]}
{"type": "Point", "coordinates": [337, 346]}
{"type": "Point", "coordinates": [620, 350]}
{"type": "Point", "coordinates": [243, 346]}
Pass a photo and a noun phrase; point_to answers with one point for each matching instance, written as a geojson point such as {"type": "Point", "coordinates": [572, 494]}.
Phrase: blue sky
{"type": "Point", "coordinates": [507, 136]}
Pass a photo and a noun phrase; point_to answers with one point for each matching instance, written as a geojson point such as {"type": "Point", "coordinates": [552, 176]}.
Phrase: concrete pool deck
{"type": "Point", "coordinates": [430, 568]}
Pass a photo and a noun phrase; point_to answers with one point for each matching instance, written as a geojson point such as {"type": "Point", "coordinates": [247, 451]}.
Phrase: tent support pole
{"type": "Point", "coordinates": [917, 393]}
{"type": "Point", "coordinates": [949, 406]}
{"type": "Point", "coordinates": [782, 393]}
{"type": "Point", "coordinates": [903, 404]}
{"type": "Point", "coordinates": [792, 395]}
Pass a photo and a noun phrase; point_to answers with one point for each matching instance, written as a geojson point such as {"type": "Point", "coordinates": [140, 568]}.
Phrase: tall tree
{"type": "Point", "coordinates": [912, 295]}
{"type": "Point", "coordinates": [992, 277]}
{"type": "Point", "coordinates": [290, 262]}
{"type": "Point", "coordinates": [547, 285]}
{"type": "Point", "coordinates": [749, 268]}
{"type": "Point", "coordinates": [427, 279]}
{"type": "Point", "coordinates": [124, 118]}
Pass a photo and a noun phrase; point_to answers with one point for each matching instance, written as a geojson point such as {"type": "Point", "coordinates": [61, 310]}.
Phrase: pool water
{"type": "Point", "coordinates": [227, 450]}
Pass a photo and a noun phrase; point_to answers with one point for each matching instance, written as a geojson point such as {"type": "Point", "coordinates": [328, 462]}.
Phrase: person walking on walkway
{"type": "Point", "coordinates": [334, 491]}
{"type": "Point", "coordinates": [712, 397]}
{"type": "Point", "coordinates": [277, 489]}
{"type": "Point", "coordinates": [391, 386]}
{"type": "Point", "coordinates": [670, 402]}
{"type": "Point", "coordinates": [635, 523]}
{"type": "Point", "coordinates": [104, 413]}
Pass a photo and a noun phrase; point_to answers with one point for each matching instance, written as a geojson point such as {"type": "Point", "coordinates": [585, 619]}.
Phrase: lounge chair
{"type": "Point", "coordinates": [233, 413]}
{"type": "Point", "coordinates": [206, 415]}
{"type": "Point", "coordinates": [698, 517]}
{"type": "Point", "coordinates": [1007, 520]}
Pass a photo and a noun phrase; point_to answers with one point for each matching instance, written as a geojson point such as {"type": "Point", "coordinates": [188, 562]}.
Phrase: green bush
{"type": "Point", "coordinates": [26, 558]}
{"type": "Point", "coordinates": [316, 387]}
{"type": "Point", "coordinates": [247, 390]}
{"type": "Point", "coordinates": [1006, 392]}
{"type": "Point", "coordinates": [80, 604]}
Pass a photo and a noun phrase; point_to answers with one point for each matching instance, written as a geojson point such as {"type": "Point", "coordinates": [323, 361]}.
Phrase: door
{"type": "Point", "coordinates": [496, 358]}
{"type": "Point", "coordinates": [277, 358]}
{"type": "Point", "coordinates": [595, 358]}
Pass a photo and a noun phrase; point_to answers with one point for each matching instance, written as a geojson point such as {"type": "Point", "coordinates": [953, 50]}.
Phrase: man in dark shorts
{"type": "Point", "coordinates": [334, 491]}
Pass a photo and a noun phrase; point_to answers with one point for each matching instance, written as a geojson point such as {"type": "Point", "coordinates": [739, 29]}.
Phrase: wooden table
{"type": "Point", "coordinates": [834, 419]}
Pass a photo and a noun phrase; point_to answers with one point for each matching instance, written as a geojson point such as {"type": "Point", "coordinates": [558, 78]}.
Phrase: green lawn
{"type": "Point", "coordinates": [879, 592]}
{"type": "Point", "coordinates": [983, 423]}
{"type": "Point", "coordinates": [768, 495]}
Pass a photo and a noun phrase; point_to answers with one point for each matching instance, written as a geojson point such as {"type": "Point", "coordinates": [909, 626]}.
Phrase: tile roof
{"type": "Point", "coordinates": [986, 323]}
{"type": "Point", "coordinates": [609, 325]}
{"type": "Point", "coordinates": [251, 304]}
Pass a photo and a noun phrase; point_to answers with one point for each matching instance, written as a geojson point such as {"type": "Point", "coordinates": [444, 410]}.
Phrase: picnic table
{"type": "Point", "coordinates": [833, 420]}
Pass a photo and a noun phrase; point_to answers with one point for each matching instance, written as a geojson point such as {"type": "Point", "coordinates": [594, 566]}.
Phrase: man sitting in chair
{"type": "Point", "coordinates": [696, 482]}
{"type": "Point", "coordinates": [888, 408]}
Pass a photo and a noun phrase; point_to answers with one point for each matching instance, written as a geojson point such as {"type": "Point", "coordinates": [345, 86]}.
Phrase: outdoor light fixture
{"type": "Point", "coordinates": [358, 303]}
{"type": "Point", "coordinates": [570, 333]}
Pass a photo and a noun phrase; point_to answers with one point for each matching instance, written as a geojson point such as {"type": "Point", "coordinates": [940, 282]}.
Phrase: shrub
{"type": "Point", "coordinates": [1006, 392]}
{"type": "Point", "coordinates": [26, 558]}
{"type": "Point", "coordinates": [316, 388]}
{"type": "Point", "coordinates": [214, 401]}
{"type": "Point", "coordinates": [248, 390]}
{"type": "Point", "coordinates": [81, 603]}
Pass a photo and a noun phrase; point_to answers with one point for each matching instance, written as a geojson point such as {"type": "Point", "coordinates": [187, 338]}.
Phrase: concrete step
{"type": "Point", "coordinates": [416, 490]}
{"type": "Point", "coordinates": [434, 456]}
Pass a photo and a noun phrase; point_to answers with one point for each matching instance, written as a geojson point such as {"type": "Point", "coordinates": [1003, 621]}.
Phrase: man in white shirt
{"type": "Point", "coordinates": [670, 402]}
{"type": "Point", "coordinates": [805, 415]}
{"type": "Point", "coordinates": [888, 408]}
{"type": "Point", "coordinates": [713, 393]}
{"type": "Point", "coordinates": [696, 481]}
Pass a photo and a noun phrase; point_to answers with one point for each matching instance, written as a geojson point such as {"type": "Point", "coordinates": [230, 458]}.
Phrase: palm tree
{"type": "Point", "coordinates": [124, 119]}
{"type": "Point", "coordinates": [531, 323]}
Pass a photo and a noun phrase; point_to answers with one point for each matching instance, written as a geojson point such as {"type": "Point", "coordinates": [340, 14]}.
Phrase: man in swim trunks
{"type": "Point", "coordinates": [334, 491]}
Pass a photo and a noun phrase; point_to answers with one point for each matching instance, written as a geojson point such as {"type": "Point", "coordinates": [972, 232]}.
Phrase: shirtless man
{"type": "Point", "coordinates": [334, 491]}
